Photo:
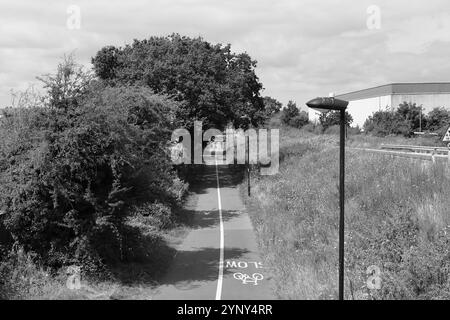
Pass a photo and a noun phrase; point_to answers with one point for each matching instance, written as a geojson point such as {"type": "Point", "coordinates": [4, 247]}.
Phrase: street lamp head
{"type": "Point", "coordinates": [326, 104]}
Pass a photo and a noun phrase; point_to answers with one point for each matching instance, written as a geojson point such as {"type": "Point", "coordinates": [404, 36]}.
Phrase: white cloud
{"type": "Point", "coordinates": [416, 34]}
{"type": "Point", "coordinates": [304, 48]}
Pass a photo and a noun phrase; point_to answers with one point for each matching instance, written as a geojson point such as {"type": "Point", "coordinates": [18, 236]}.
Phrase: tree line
{"type": "Point", "coordinates": [406, 119]}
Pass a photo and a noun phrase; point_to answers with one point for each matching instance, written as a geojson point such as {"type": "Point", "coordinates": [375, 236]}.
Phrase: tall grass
{"type": "Point", "coordinates": [397, 218]}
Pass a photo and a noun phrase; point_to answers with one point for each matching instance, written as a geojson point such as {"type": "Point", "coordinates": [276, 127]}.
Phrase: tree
{"type": "Point", "coordinates": [215, 85]}
{"type": "Point", "coordinates": [69, 82]}
{"type": "Point", "coordinates": [290, 112]}
{"type": "Point", "coordinates": [72, 170]}
{"type": "Point", "coordinates": [300, 120]}
{"type": "Point", "coordinates": [438, 119]}
{"type": "Point", "coordinates": [292, 116]}
{"type": "Point", "coordinates": [107, 62]}
{"type": "Point", "coordinates": [272, 105]}
{"type": "Point", "coordinates": [406, 119]}
{"type": "Point", "coordinates": [332, 118]}
{"type": "Point", "coordinates": [413, 115]}
{"type": "Point", "coordinates": [387, 122]}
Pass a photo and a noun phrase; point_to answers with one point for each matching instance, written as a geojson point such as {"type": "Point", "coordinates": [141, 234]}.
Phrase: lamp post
{"type": "Point", "coordinates": [325, 105]}
{"type": "Point", "coordinates": [248, 165]}
{"type": "Point", "coordinates": [247, 144]}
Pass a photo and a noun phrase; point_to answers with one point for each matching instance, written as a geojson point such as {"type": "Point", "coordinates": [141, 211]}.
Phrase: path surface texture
{"type": "Point", "coordinates": [219, 258]}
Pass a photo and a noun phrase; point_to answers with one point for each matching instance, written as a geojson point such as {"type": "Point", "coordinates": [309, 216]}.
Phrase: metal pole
{"type": "Point", "coordinates": [448, 146]}
{"type": "Point", "coordinates": [420, 119]}
{"type": "Point", "coordinates": [248, 165]}
{"type": "Point", "coordinates": [341, 205]}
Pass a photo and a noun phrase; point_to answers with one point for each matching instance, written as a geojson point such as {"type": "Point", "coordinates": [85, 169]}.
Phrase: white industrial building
{"type": "Point", "coordinates": [364, 103]}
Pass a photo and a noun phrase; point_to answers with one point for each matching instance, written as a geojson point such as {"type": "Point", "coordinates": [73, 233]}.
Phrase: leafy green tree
{"type": "Point", "coordinates": [272, 105]}
{"type": "Point", "coordinates": [72, 170]}
{"type": "Point", "coordinates": [406, 119]}
{"type": "Point", "coordinates": [438, 119]}
{"type": "Point", "coordinates": [290, 112]}
{"type": "Point", "coordinates": [107, 62]}
{"type": "Point", "coordinates": [292, 116]}
{"type": "Point", "coordinates": [300, 120]}
{"type": "Point", "coordinates": [387, 122]}
{"type": "Point", "coordinates": [332, 118]}
{"type": "Point", "coordinates": [69, 82]}
{"type": "Point", "coordinates": [413, 115]}
{"type": "Point", "coordinates": [215, 85]}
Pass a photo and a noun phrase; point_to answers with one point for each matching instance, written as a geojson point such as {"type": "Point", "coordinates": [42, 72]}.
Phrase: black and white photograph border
{"type": "Point", "coordinates": [252, 151]}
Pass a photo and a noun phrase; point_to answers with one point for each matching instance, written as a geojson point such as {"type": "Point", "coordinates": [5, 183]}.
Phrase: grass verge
{"type": "Point", "coordinates": [396, 219]}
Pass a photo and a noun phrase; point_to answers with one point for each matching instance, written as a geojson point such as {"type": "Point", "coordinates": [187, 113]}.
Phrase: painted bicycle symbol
{"type": "Point", "coordinates": [245, 278]}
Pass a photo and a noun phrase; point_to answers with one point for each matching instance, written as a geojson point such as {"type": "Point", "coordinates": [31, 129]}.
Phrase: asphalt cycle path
{"type": "Point", "coordinates": [219, 258]}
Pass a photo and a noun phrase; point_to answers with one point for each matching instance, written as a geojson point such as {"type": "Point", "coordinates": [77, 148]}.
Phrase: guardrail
{"type": "Point", "coordinates": [417, 149]}
{"type": "Point", "coordinates": [409, 155]}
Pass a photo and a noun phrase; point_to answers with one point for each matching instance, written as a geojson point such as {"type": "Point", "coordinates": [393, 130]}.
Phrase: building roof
{"type": "Point", "coordinates": [397, 88]}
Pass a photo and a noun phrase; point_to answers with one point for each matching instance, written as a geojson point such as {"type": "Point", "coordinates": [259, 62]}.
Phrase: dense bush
{"type": "Point", "coordinates": [20, 278]}
{"type": "Point", "coordinates": [438, 120]}
{"type": "Point", "coordinates": [300, 120]}
{"type": "Point", "coordinates": [272, 106]}
{"type": "Point", "coordinates": [333, 118]}
{"type": "Point", "coordinates": [156, 214]}
{"type": "Point", "coordinates": [383, 123]}
{"type": "Point", "coordinates": [293, 117]}
{"type": "Point", "coordinates": [290, 112]}
{"type": "Point", "coordinates": [72, 170]}
{"type": "Point", "coordinates": [411, 113]}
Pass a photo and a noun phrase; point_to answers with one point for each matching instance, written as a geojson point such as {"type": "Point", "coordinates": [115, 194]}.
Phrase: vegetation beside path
{"type": "Point", "coordinates": [397, 219]}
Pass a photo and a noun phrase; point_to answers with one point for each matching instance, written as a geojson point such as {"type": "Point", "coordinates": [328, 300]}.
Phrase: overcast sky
{"type": "Point", "coordinates": [304, 48]}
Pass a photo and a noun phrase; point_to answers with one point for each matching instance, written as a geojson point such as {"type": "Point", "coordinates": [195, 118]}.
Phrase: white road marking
{"type": "Point", "coordinates": [222, 240]}
{"type": "Point", "coordinates": [245, 278]}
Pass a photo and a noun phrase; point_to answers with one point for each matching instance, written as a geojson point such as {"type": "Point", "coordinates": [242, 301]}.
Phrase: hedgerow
{"type": "Point", "coordinates": [73, 169]}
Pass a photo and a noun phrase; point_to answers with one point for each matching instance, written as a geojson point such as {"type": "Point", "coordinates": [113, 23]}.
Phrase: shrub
{"type": "Point", "coordinates": [290, 112]}
{"type": "Point", "coordinates": [72, 170]}
{"type": "Point", "coordinates": [438, 119]}
{"type": "Point", "coordinates": [332, 118]}
{"type": "Point", "coordinates": [155, 215]}
{"type": "Point", "coordinates": [21, 277]}
{"type": "Point", "coordinates": [293, 117]}
{"type": "Point", "coordinates": [300, 120]}
{"type": "Point", "coordinates": [383, 123]}
{"type": "Point", "coordinates": [272, 106]}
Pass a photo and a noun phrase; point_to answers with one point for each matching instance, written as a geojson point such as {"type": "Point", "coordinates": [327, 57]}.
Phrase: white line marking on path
{"type": "Point", "coordinates": [222, 240]}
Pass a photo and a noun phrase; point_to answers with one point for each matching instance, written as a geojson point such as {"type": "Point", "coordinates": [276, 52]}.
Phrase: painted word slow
{"type": "Point", "coordinates": [243, 264]}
